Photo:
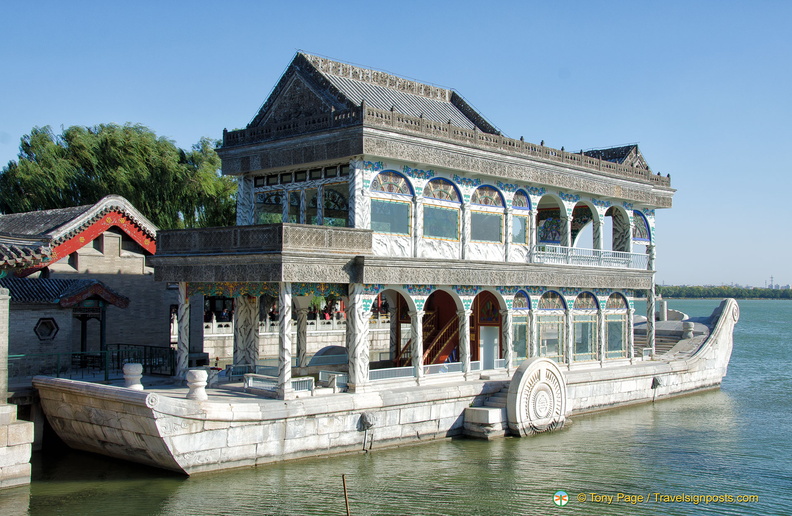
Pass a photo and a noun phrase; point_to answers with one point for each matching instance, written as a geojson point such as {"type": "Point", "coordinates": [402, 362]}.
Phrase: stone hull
{"type": "Point", "coordinates": [193, 436]}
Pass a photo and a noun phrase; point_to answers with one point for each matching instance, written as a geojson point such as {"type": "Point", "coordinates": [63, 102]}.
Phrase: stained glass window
{"type": "Point", "coordinates": [441, 189]}
{"type": "Point", "coordinates": [269, 207]}
{"type": "Point", "coordinates": [640, 228]}
{"type": "Point", "coordinates": [487, 196]}
{"type": "Point", "coordinates": [616, 302]}
{"type": "Point", "coordinates": [551, 301]}
{"type": "Point", "coordinates": [521, 201]}
{"type": "Point", "coordinates": [520, 301]}
{"type": "Point", "coordinates": [586, 301]}
{"type": "Point", "coordinates": [390, 182]}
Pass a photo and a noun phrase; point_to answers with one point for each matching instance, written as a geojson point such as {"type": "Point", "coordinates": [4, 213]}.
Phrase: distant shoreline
{"type": "Point", "coordinates": [704, 292]}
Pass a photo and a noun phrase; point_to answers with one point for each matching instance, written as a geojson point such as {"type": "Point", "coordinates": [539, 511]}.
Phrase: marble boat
{"type": "Point", "coordinates": [507, 271]}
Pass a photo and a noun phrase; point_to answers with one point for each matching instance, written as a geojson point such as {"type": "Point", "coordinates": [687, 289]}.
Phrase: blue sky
{"type": "Point", "coordinates": [703, 87]}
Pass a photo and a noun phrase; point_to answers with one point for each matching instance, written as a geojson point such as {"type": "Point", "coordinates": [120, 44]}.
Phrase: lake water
{"type": "Point", "coordinates": [733, 442]}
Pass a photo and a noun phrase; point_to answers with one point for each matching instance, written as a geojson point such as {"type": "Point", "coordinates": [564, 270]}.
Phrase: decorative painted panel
{"type": "Point", "coordinates": [418, 173]}
{"type": "Point", "coordinates": [329, 290]}
{"type": "Point", "coordinates": [441, 189]}
{"type": "Point", "coordinates": [521, 201]}
{"type": "Point", "coordinates": [521, 301]}
{"type": "Point", "coordinates": [616, 302]}
{"type": "Point", "coordinates": [487, 196]}
{"type": "Point", "coordinates": [233, 289]}
{"type": "Point", "coordinates": [551, 301]}
{"type": "Point", "coordinates": [391, 182]}
{"type": "Point", "coordinates": [586, 301]}
{"type": "Point", "coordinates": [549, 226]}
{"type": "Point", "coordinates": [641, 229]}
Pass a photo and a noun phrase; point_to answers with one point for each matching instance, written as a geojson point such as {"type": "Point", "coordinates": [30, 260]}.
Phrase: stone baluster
{"type": "Point", "coordinates": [132, 375]}
{"type": "Point", "coordinates": [196, 382]}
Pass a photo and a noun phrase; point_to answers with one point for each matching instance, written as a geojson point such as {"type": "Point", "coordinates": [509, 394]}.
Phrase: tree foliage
{"type": "Point", "coordinates": [172, 187]}
{"type": "Point", "coordinates": [719, 292]}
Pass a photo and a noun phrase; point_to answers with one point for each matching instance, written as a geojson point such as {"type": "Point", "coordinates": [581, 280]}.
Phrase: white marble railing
{"type": "Point", "coordinates": [451, 367]}
{"type": "Point", "coordinates": [227, 328]}
{"type": "Point", "coordinates": [562, 255]}
{"type": "Point", "coordinates": [391, 372]}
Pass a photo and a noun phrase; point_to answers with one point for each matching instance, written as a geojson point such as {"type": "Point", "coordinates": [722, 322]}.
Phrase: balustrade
{"type": "Point", "coordinates": [563, 255]}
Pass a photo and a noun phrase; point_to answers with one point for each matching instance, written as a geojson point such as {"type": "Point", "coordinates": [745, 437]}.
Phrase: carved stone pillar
{"type": "Point", "coordinates": [465, 236]}
{"type": "Point", "coordinates": [302, 336]}
{"type": "Point", "coordinates": [630, 334]}
{"type": "Point", "coordinates": [246, 345]}
{"type": "Point", "coordinates": [601, 336]}
{"type": "Point", "coordinates": [418, 226]}
{"type": "Point", "coordinates": [319, 206]}
{"type": "Point", "coordinates": [531, 233]}
{"type": "Point", "coordinates": [302, 219]}
{"type": "Point", "coordinates": [416, 334]}
{"type": "Point", "coordinates": [597, 233]}
{"type": "Point", "coordinates": [508, 341]}
{"type": "Point", "coordinates": [357, 338]}
{"type": "Point", "coordinates": [284, 352]}
{"type": "Point", "coordinates": [566, 230]}
{"type": "Point", "coordinates": [394, 332]}
{"type": "Point", "coordinates": [650, 301]}
{"type": "Point", "coordinates": [5, 299]}
{"type": "Point", "coordinates": [183, 336]}
{"type": "Point", "coordinates": [464, 339]}
{"type": "Point", "coordinates": [246, 205]}
{"type": "Point", "coordinates": [507, 236]}
{"type": "Point", "coordinates": [532, 340]}
{"type": "Point", "coordinates": [359, 200]}
{"type": "Point", "coordinates": [569, 335]}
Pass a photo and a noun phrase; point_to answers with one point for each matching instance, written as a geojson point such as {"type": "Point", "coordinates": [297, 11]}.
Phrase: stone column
{"type": "Point", "coordinates": [302, 336]}
{"type": "Point", "coordinates": [465, 233]}
{"type": "Point", "coordinates": [303, 218]}
{"type": "Point", "coordinates": [597, 231]}
{"type": "Point", "coordinates": [394, 331]}
{"type": "Point", "coordinates": [568, 336]}
{"type": "Point", "coordinates": [566, 233]}
{"type": "Point", "coordinates": [284, 353]}
{"type": "Point", "coordinates": [5, 300]}
{"type": "Point", "coordinates": [417, 225]}
{"type": "Point", "coordinates": [246, 345]}
{"type": "Point", "coordinates": [464, 339]}
{"type": "Point", "coordinates": [507, 230]}
{"type": "Point", "coordinates": [416, 333]}
{"type": "Point", "coordinates": [357, 338]}
{"type": "Point", "coordinates": [650, 301]}
{"type": "Point", "coordinates": [532, 340]}
{"type": "Point", "coordinates": [630, 334]}
{"type": "Point", "coordinates": [359, 200]}
{"type": "Point", "coordinates": [531, 233]}
{"type": "Point", "coordinates": [319, 206]}
{"type": "Point", "coordinates": [508, 344]}
{"type": "Point", "coordinates": [601, 343]}
{"type": "Point", "coordinates": [183, 338]}
{"type": "Point", "coordinates": [246, 205]}
{"type": "Point", "coordinates": [285, 205]}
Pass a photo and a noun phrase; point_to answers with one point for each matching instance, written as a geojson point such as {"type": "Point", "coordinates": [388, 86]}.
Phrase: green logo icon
{"type": "Point", "coordinates": [560, 498]}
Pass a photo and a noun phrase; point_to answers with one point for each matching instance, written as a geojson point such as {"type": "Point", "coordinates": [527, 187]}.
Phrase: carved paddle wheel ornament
{"type": "Point", "coordinates": [537, 398]}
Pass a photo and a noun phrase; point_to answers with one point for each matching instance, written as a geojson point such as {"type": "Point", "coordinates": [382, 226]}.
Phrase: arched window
{"type": "Point", "coordinates": [616, 326]}
{"type": "Point", "coordinates": [441, 210]}
{"type": "Point", "coordinates": [520, 306]}
{"type": "Point", "coordinates": [391, 204]}
{"type": "Point", "coordinates": [486, 223]}
{"type": "Point", "coordinates": [336, 206]}
{"type": "Point", "coordinates": [521, 205]}
{"type": "Point", "coordinates": [550, 326]}
{"type": "Point", "coordinates": [584, 327]}
{"type": "Point", "coordinates": [641, 231]}
{"type": "Point", "coordinates": [269, 207]}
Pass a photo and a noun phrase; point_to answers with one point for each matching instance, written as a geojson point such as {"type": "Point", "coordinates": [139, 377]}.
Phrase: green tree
{"type": "Point", "coordinates": [172, 187]}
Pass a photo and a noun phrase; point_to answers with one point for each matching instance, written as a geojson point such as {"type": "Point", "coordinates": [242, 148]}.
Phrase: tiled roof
{"type": "Point", "coordinates": [613, 154]}
{"type": "Point", "coordinates": [63, 223]}
{"type": "Point", "coordinates": [39, 223]}
{"type": "Point", "coordinates": [345, 86]}
{"type": "Point", "coordinates": [17, 254]}
{"type": "Point", "coordinates": [64, 292]}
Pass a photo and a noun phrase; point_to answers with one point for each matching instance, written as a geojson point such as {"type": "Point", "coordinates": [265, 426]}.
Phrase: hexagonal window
{"type": "Point", "coordinates": [46, 328]}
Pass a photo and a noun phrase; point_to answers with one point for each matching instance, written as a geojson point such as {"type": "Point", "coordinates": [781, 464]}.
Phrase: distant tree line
{"type": "Point", "coordinates": [172, 187]}
{"type": "Point", "coordinates": [722, 292]}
